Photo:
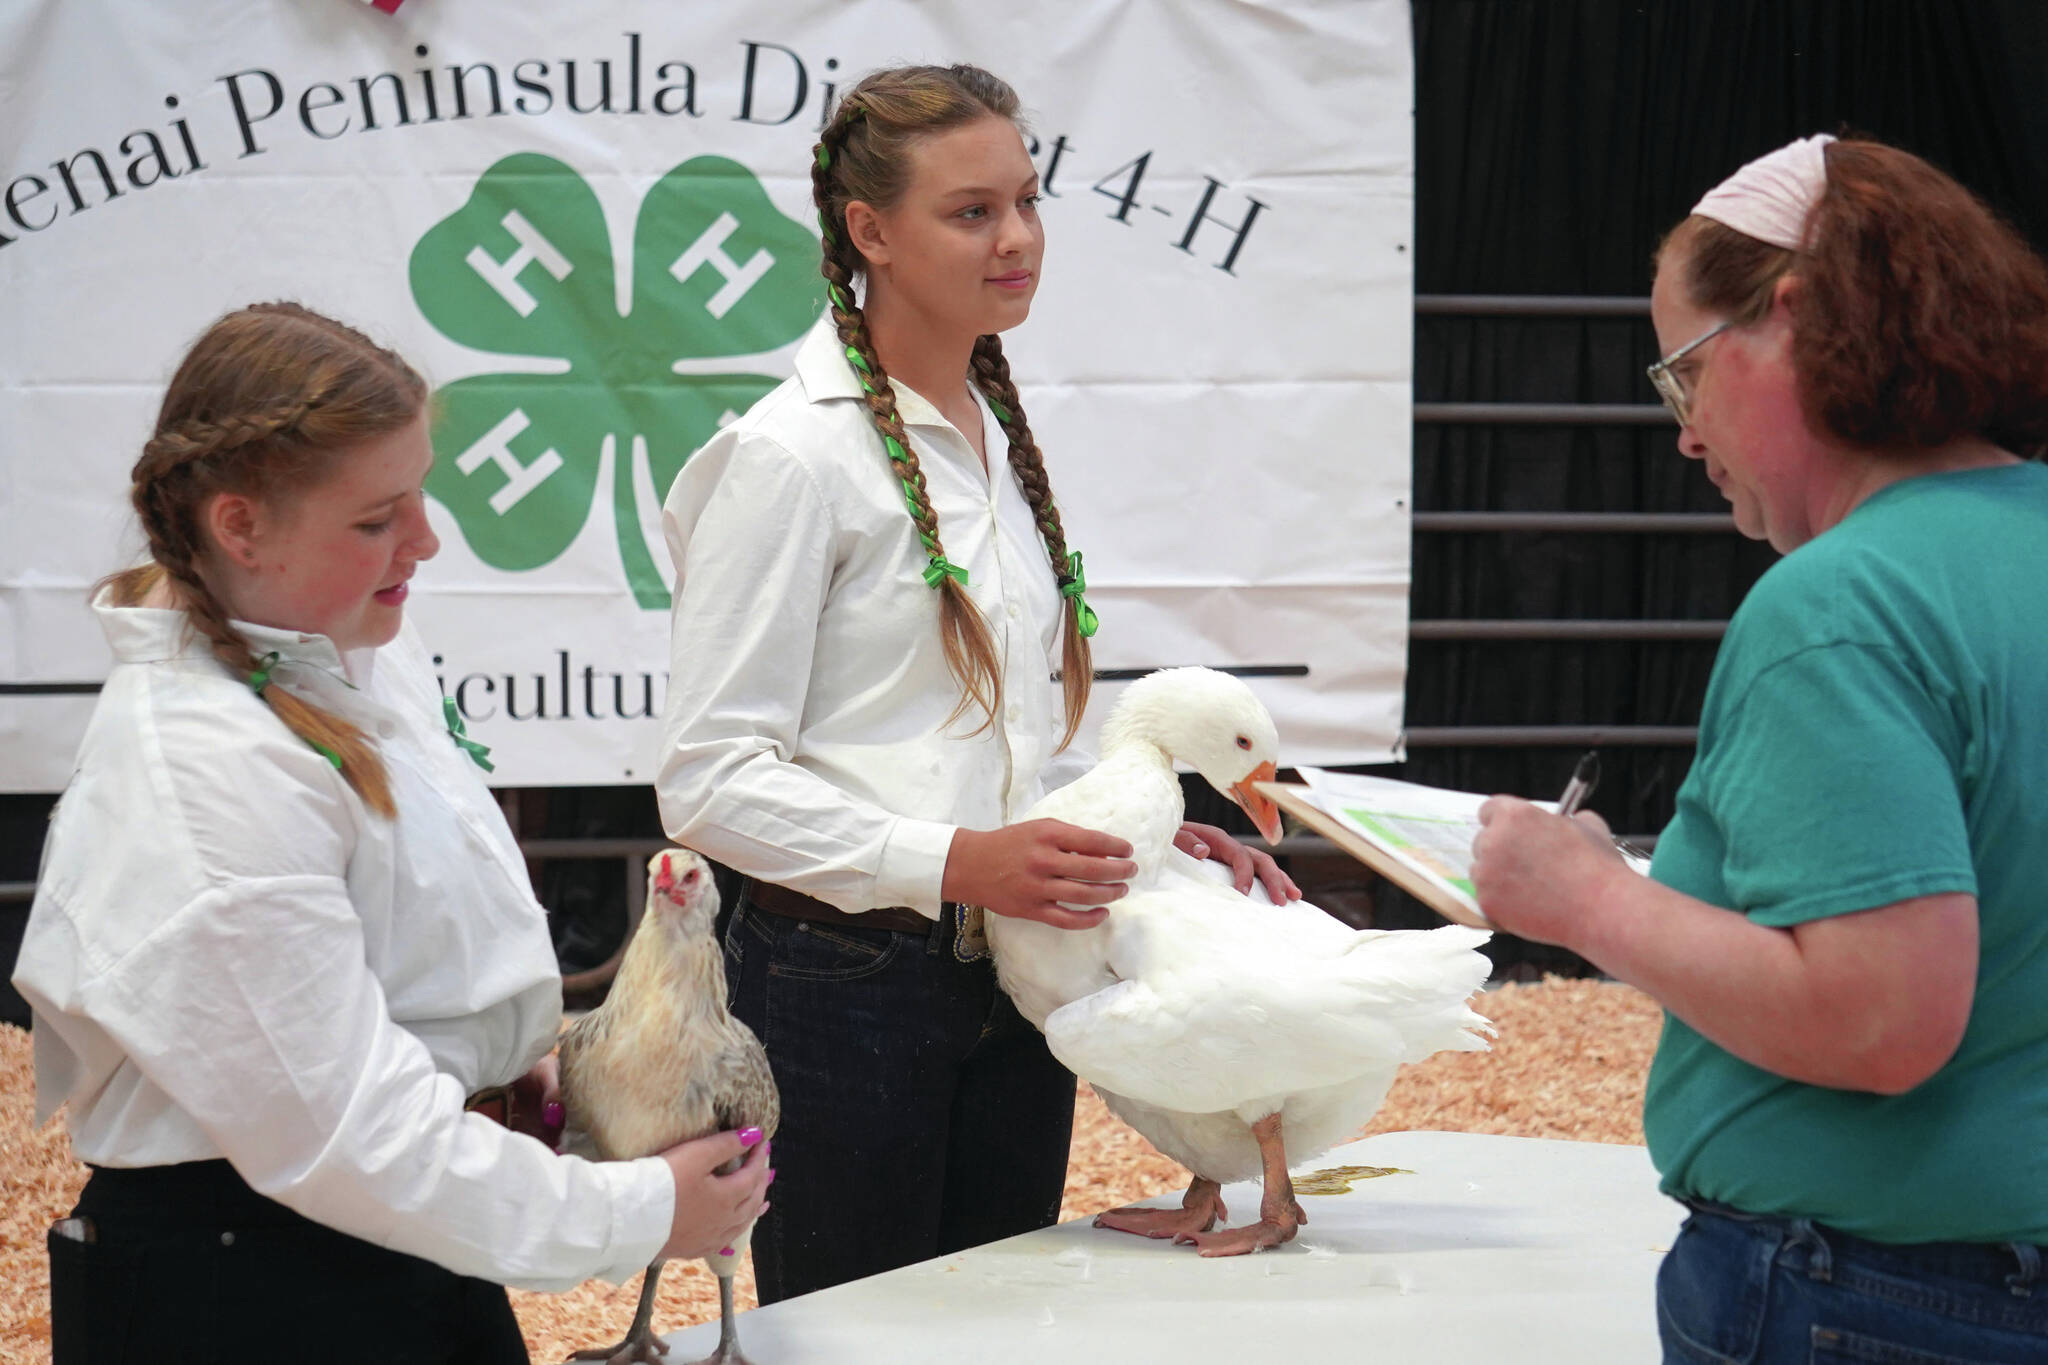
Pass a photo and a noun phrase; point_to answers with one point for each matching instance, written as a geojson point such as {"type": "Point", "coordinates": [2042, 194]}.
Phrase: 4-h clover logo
{"type": "Point", "coordinates": [525, 268]}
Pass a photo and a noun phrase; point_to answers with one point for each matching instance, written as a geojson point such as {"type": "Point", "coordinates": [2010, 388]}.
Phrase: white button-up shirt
{"type": "Point", "coordinates": [230, 956]}
{"type": "Point", "coordinates": [806, 739]}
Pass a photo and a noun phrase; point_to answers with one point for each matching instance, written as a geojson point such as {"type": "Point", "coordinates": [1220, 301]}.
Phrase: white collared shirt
{"type": "Point", "coordinates": [230, 956]}
{"type": "Point", "coordinates": [806, 739]}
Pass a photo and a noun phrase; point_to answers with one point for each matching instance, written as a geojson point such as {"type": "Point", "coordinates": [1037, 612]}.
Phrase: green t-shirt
{"type": "Point", "coordinates": [1877, 728]}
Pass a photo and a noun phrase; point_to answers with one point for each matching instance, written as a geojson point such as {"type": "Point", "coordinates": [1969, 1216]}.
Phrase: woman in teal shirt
{"type": "Point", "coordinates": [1852, 1088]}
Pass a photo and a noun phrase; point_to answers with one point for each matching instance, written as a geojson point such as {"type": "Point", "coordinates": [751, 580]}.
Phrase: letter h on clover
{"type": "Point", "coordinates": [524, 268]}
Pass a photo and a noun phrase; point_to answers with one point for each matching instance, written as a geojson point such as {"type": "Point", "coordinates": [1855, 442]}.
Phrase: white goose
{"type": "Point", "coordinates": [1231, 1034]}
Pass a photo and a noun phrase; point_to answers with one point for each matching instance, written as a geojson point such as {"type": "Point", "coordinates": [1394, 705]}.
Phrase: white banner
{"type": "Point", "coordinates": [589, 225]}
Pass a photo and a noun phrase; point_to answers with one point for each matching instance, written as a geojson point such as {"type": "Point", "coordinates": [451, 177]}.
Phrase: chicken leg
{"type": "Point", "coordinates": [641, 1346]}
{"type": "Point", "coordinates": [1201, 1208]}
{"type": "Point", "coordinates": [728, 1352]}
{"type": "Point", "coordinates": [1279, 1212]}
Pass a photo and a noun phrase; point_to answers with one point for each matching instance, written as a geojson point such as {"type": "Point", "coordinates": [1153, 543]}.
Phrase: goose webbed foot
{"type": "Point", "coordinates": [1280, 1213]}
{"type": "Point", "coordinates": [1201, 1208]}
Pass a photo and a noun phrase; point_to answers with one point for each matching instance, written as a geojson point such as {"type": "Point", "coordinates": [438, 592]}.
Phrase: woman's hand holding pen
{"type": "Point", "coordinates": [1543, 876]}
{"type": "Point", "coordinates": [1026, 870]}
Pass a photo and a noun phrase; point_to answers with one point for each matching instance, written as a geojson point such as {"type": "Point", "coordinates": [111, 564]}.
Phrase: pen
{"type": "Point", "coordinates": [1581, 786]}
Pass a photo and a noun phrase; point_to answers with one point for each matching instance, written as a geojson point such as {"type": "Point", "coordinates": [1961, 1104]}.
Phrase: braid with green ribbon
{"type": "Point", "coordinates": [260, 679]}
{"type": "Point", "coordinates": [862, 154]}
{"type": "Point", "coordinates": [266, 394]}
{"type": "Point", "coordinates": [1077, 670]}
{"type": "Point", "coordinates": [969, 647]}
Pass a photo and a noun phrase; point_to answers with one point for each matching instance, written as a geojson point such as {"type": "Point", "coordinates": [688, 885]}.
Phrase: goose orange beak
{"type": "Point", "coordinates": [1264, 813]}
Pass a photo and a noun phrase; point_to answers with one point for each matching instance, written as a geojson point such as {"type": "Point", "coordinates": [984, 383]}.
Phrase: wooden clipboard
{"type": "Point", "coordinates": [1293, 798]}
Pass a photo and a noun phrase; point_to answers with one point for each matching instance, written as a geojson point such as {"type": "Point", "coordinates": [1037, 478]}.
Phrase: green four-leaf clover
{"type": "Point", "coordinates": [525, 268]}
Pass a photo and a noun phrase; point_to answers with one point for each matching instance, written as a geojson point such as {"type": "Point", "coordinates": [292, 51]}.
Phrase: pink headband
{"type": "Point", "coordinates": [1771, 198]}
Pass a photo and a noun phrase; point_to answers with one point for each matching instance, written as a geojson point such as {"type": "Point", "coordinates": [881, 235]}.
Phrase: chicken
{"type": "Point", "coordinates": [1230, 1032]}
{"type": "Point", "coordinates": [661, 1061]}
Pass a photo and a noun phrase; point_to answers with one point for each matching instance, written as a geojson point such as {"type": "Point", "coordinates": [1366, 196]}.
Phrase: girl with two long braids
{"type": "Point", "coordinates": [874, 592]}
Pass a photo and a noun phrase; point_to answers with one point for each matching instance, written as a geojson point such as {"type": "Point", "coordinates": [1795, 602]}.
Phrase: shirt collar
{"type": "Point", "coordinates": [822, 366]}
{"type": "Point", "coordinates": [154, 634]}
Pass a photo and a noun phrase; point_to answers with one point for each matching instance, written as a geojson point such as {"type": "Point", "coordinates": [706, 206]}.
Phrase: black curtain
{"type": "Point", "coordinates": [1556, 141]}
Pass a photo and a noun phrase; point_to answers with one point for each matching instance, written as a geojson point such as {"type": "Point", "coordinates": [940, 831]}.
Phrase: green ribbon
{"type": "Point", "coordinates": [859, 362]}
{"type": "Point", "coordinates": [940, 569]}
{"type": "Point", "coordinates": [1073, 585]}
{"type": "Point", "coordinates": [479, 753]}
{"type": "Point", "coordinates": [838, 296]}
{"type": "Point", "coordinates": [1002, 413]}
{"type": "Point", "coordinates": [260, 679]}
{"type": "Point", "coordinates": [824, 157]}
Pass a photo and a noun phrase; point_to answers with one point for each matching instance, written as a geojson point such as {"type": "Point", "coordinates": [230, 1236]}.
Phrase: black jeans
{"type": "Point", "coordinates": [921, 1113]}
{"type": "Point", "coordinates": [188, 1264]}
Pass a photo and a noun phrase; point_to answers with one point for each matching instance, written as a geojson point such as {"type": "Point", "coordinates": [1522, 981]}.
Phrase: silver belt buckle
{"type": "Point", "coordinates": [970, 936]}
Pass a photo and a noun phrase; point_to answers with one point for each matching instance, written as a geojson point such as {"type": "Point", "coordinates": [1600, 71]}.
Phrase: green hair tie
{"type": "Point", "coordinates": [940, 569]}
{"type": "Point", "coordinates": [480, 754]}
{"type": "Point", "coordinates": [260, 679]}
{"type": "Point", "coordinates": [1072, 585]}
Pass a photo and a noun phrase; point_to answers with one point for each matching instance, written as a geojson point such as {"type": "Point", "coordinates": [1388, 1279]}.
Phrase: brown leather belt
{"type": "Point", "coordinates": [780, 900]}
{"type": "Point", "coordinates": [495, 1103]}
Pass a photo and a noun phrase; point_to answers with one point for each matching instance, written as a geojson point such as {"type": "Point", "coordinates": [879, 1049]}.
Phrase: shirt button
{"type": "Point", "coordinates": [227, 1239]}
{"type": "Point", "coordinates": [1014, 613]}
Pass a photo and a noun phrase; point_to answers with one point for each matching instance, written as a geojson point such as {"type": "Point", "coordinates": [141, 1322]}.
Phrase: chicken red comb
{"type": "Point", "coordinates": [664, 880]}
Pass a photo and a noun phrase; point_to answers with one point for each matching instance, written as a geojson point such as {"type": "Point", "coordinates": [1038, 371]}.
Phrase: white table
{"type": "Point", "coordinates": [1494, 1249]}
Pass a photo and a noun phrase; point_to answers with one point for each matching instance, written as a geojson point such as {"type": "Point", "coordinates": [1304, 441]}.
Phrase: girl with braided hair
{"type": "Point", "coordinates": [874, 590]}
{"type": "Point", "coordinates": [282, 930]}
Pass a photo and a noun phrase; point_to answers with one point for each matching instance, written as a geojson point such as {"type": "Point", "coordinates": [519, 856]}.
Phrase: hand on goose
{"type": "Point", "coordinates": [713, 1210]}
{"type": "Point", "coordinates": [1540, 875]}
{"type": "Point", "coordinates": [1026, 870]}
{"type": "Point", "coordinates": [1246, 864]}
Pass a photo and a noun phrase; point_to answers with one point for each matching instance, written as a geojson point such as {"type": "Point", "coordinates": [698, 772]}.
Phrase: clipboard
{"type": "Point", "coordinates": [1405, 872]}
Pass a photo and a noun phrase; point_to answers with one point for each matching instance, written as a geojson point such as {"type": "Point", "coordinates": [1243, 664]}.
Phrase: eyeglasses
{"type": "Point", "coordinates": [1667, 384]}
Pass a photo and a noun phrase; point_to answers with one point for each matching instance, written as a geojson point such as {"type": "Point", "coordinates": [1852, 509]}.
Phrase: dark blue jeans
{"type": "Point", "coordinates": [1741, 1288]}
{"type": "Point", "coordinates": [921, 1113]}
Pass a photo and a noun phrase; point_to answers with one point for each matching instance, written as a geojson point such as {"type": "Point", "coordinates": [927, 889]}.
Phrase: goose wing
{"type": "Point", "coordinates": [1219, 1005]}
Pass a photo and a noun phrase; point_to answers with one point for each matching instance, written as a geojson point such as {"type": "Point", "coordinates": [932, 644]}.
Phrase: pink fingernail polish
{"type": "Point", "coordinates": [725, 1251]}
{"type": "Point", "coordinates": [749, 1136]}
{"type": "Point", "coordinates": [552, 1114]}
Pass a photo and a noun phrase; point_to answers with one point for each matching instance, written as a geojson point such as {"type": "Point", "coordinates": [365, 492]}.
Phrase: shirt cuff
{"type": "Point", "coordinates": [643, 1210]}
{"type": "Point", "coordinates": [914, 865]}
